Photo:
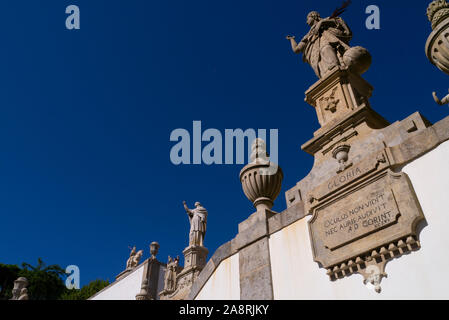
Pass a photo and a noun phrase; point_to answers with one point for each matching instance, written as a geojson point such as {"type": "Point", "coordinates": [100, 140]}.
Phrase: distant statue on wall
{"type": "Point", "coordinates": [326, 45]}
{"type": "Point", "coordinates": [170, 274]}
{"type": "Point", "coordinates": [134, 258]}
{"type": "Point", "coordinates": [23, 294]}
{"type": "Point", "coordinates": [198, 223]}
{"type": "Point", "coordinates": [20, 292]}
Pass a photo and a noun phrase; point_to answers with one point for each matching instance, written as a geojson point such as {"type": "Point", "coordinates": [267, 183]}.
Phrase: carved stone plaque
{"type": "Point", "coordinates": [365, 215]}
{"type": "Point", "coordinates": [359, 214]}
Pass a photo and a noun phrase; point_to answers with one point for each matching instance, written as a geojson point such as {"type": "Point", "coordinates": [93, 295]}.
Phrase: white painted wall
{"type": "Point", "coordinates": [160, 281]}
{"type": "Point", "coordinates": [224, 283]}
{"type": "Point", "coordinates": [419, 275]}
{"type": "Point", "coordinates": [124, 289]}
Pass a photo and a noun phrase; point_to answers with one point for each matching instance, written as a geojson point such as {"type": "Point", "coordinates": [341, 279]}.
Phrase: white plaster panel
{"type": "Point", "coordinates": [224, 283]}
{"type": "Point", "coordinates": [160, 281]}
{"type": "Point", "coordinates": [124, 289]}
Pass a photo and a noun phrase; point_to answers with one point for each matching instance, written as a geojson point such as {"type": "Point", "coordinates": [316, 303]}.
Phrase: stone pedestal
{"type": "Point", "coordinates": [337, 94]}
{"type": "Point", "coordinates": [194, 262]}
{"type": "Point", "coordinates": [151, 271]}
{"type": "Point", "coordinates": [194, 257]}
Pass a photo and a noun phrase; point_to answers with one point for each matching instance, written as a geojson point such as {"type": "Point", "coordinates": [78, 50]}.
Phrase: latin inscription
{"type": "Point", "coordinates": [362, 212]}
{"type": "Point", "coordinates": [344, 178]}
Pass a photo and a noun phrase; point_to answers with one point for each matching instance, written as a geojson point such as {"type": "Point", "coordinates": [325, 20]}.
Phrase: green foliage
{"type": "Point", "coordinates": [45, 282]}
{"type": "Point", "coordinates": [8, 273]}
{"type": "Point", "coordinates": [86, 291]}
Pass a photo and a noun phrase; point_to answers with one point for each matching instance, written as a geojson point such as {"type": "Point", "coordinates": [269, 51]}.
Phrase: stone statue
{"type": "Point", "coordinates": [134, 259]}
{"type": "Point", "coordinates": [198, 222]}
{"type": "Point", "coordinates": [20, 292]}
{"type": "Point", "coordinates": [326, 45]}
{"type": "Point", "coordinates": [170, 274]}
{"type": "Point", "coordinates": [23, 294]}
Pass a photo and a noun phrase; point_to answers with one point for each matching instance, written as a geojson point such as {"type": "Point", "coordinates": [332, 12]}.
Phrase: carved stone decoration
{"type": "Point", "coordinates": [131, 263]}
{"type": "Point", "coordinates": [338, 94]}
{"type": "Point", "coordinates": [331, 102]}
{"type": "Point", "coordinates": [372, 265]}
{"type": "Point", "coordinates": [363, 217]}
{"type": "Point", "coordinates": [437, 11]}
{"type": "Point", "coordinates": [20, 291]}
{"type": "Point", "coordinates": [198, 224]}
{"type": "Point", "coordinates": [357, 59]}
{"type": "Point", "coordinates": [326, 46]}
{"type": "Point", "coordinates": [340, 153]}
{"type": "Point", "coordinates": [437, 45]}
{"type": "Point", "coordinates": [170, 274]}
{"type": "Point", "coordinates": [260, 184]}
{"type": "Point", "coordinates": [154, 248]}
{"type": "Point", "coordinates": [134, 259]}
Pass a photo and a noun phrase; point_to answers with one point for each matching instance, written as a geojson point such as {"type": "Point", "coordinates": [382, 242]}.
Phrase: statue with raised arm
{"type": "Point", "coordinates": [198, 223]}
{"type": "Point", "coordinates": [326, 45]}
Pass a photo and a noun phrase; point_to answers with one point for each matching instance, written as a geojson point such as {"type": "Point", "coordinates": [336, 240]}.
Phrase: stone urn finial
{"type": "Point", "coordinates": [260, 183]}
{"type": "Point", "coordinates": [154, 248]}
{"type": "Point", "coordinates": [437, 11]}
{"type": "Point", "coordinates": [437, 45]}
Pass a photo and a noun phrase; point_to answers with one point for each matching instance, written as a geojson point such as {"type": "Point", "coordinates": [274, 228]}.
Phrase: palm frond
{"type": "Point", "coordinates": [340, 10]}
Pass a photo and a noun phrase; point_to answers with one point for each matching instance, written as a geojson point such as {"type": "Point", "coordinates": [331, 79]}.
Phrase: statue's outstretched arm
{"type": "Point", "coordinates": [296, 47]}
{"type": "Point", "coordinates": [189, 212]}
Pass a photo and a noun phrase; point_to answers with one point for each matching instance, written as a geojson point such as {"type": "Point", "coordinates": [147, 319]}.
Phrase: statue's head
{"type": "Point", "coordinates": [313, 17]}
{"type": "Point", "coordinates": [197, 204]}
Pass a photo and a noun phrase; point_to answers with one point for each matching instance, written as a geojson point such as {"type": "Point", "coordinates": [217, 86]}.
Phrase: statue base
{"type": "Point", "coordinates": [194, 262]}
{"type": "Point", "coordinates": [338, 93]}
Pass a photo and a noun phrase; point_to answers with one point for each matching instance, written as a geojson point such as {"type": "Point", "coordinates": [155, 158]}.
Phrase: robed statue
{"type": "Point", "coordinates": [324, 45]}
{"type": "Point", "coordinates": [198, 223]}
{"type": "Point", "coordinates": [170, 274]}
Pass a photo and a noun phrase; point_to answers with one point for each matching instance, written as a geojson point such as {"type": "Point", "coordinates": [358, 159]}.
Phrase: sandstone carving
{"type": "Point", "coordinates": [20, 291]}
{"type": "Point", "coordinates": [154, 248]}
{"type": "Point", "coordinates": [198, 224]}
{"type": "Point", "coordinates": [134, 258]}
{"type": "Point", "coordinates": [437, 46]}
{"type": "Point", "coordinates": [261, 187]}
{"type": "Point", "coordinates": [326, 45]}
{"type": "Point", "coordinates": [361, 216]}
{"type": "Point", "coordinates": [170, 274]}
{"type": "Point", "coordinates": [340, 153]}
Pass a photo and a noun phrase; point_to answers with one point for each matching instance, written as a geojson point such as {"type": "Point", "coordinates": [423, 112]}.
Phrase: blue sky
{"type": "Point", "coordinates": [86, 115]}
